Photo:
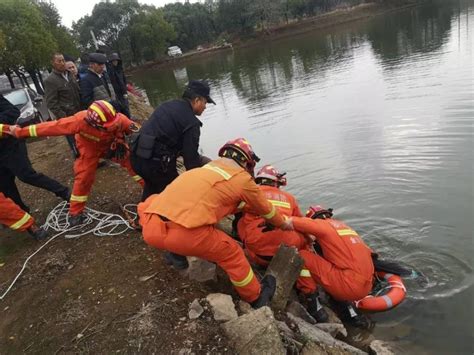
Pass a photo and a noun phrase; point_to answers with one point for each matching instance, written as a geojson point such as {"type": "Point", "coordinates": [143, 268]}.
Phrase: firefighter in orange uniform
{"type": "Point", "coordinates": [345, 269]}
{"type": "Point", "coordinates": [182, 218]}
{"type": "Point", "coordinates": [98, 131]}
{"type": "Point", "coordinates": [12, 216]}
{"type": "Point", "coordinates": [262, 245]}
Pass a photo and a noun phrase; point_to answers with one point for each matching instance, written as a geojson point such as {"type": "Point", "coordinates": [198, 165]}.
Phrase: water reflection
{"type": "Point", "coordinates": [375, 120]}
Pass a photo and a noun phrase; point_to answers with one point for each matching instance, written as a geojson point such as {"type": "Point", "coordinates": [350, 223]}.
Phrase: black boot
{"type": "Point", "coordinates": [37, 233]}
{"type": "Point", "coordinates": [315, 309]}
{"type": "Point", "coordinates": [352, 317]}
{"type": "Point", "coordinates": [76, 220]}
{"type": "Point", "coordinates": [179, 262]}
{"type": "Point", "coordinates": [266, 293]}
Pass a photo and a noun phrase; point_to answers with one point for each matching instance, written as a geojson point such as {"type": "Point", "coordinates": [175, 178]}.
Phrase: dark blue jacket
{"type": "Point", "coordinates": [94, 87]}
{"type": "Point", "coordinates": [8, 115]}
{"type": "Point", "coordinates": [174, 124]}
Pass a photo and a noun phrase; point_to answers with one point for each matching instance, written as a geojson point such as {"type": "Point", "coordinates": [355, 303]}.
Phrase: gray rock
{"type": "Point", "coordinates": [333, 318]}
{"type": "Point", "coordinates": [195, 309]}
{"type": "Point", "coordinates": [245, 307]}
{"type": "Point", "coordinates": [311, 348]}
{"type": "Point", "coordinates": [332, 328]}
{"type": "Point", "coordinates": [314, 334]}
{"type": "Point", "coordinates": [201, 270]}
{"type": "Point", "coordinates": [285, 330]}
{"type": "Point", "coordinates": [222, 306]}
{"type": "Point", "coordinates": [255, 333]}
{"type": "Point", "coordinates": [378, 347]}
{"type": "Point", "coordinates": [298, 310]}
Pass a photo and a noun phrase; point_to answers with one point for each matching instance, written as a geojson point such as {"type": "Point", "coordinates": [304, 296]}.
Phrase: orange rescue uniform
{"type": "Point", "coordinates": [92, 144]}
{"type": "Point", "coordinates": [262, 246]}
{"type": "Point", "coordinates": [182, 219]}
{"type": "Point", "coordinates": [12, 216]}
{"type": "Point", "coordinates": [346, 269]}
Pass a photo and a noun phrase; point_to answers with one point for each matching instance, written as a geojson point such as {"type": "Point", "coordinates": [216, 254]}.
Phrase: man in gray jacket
{"type": "Point", "coordinates": [62, 94]}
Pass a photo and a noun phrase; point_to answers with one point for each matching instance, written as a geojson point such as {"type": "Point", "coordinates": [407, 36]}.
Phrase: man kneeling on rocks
{"type": "Point", "coordinates": [261, 245]}
{"type": "Point", "coordinates": [182, 219]}
{"type": "Point", "coordinates": [345, 268]}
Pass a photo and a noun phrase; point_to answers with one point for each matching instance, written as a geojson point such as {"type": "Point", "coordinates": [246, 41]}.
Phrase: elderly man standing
{"type": "Point", "coordinates": [93, 84]}
{"type": "Point", "coordinates": [62, 94]}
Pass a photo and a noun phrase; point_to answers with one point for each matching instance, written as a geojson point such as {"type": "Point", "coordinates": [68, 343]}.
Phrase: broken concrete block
{"type": "Point", "coordinates": [201, 270]}
{"type": "Point", "coordinates": [378, 347]}
{"type": "Point", "coordinates": [222, 306]}
{"type": "Point", "coordinates": [314, 334]}
{"type": "Point", "coordinates": [245, 307]}
{"type": "Point", "coordinates": [255, 333]}
{"type": "Point", "coordinates": [298, 310]}
{"type": "Point", "coordinates": [332, 328]}
{"type": "Point", "coordinates": [195, 309]}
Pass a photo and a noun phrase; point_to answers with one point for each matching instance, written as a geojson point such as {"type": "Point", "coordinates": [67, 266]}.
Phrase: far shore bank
{"type": "Point", "coordinates": [323, 21]}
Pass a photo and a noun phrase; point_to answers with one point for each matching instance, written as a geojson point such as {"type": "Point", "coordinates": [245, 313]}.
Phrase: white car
{"type": "Point", "coordinates": [174, 51]}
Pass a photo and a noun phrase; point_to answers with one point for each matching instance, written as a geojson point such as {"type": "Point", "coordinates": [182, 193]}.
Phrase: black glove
{"type": "Point", "coordinates": [266, 227]}
{"type": "Point", "coordinates": [120, 151]}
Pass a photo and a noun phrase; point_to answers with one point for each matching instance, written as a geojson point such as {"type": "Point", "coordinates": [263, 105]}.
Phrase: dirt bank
{"type": "Point", "coordinates": [327, 20]}
{"type": "Point", "coordinates": [85, 295]}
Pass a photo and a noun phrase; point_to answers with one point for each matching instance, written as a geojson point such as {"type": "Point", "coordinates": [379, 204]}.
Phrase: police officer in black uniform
{"type": "Point", "coordinates": [172, 130]}
{"type": "Point", "coordinates": [14, 162]}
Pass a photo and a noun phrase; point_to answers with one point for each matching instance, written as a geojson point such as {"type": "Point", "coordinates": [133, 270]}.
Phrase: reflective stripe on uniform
{"type": "Point", "coordinates": [245, 281]}
{"type": "Point", "coordinates": [18, 224]}
{"type": "Point", "coordinates": [305, 273]}
{"type": "Point", "coordinates": [89, 136]}
{"type": "Point", "coordinates": [270, 214]}
{"type": "Point", "coordinates": [32, 130]}
{"type": "Point", "coordinates": [79, 198]}
{"type": "Point", "coordinates": [220, 171]}
{"type": "Point", "coordinates": [343, 232]}
{"type": "Point", "coordinates": [241, 205]}
{"type": "Point", "coordinates": [137, 177]}
{"type": "Point", "coordinates": [1, 129]}
{"type": "Point", "coordinates": [280, 204]}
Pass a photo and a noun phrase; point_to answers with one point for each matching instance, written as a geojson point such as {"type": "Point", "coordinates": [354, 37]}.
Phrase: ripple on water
{"type": "Point", "coordinates": [445, 275]}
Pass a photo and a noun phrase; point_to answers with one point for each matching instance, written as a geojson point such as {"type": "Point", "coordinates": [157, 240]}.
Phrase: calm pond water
{"type": "Point", "coordinates": [374, 119]}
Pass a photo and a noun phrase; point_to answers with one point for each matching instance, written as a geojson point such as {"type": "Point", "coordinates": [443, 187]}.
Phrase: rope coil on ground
{"type": "Point", "coordinates": [96, 223]}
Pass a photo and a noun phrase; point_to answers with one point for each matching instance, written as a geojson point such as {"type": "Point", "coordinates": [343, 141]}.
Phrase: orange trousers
{"type": "Point", "coordinates": [13, 216]}
{"type": "Point", "coordinates": [205, 242]}
{"type": "Point", "coordinates": [266, 244]}
{"type": "Point", "coordinates": [84, 175]}
{"type": "Point", "coordinates": [342, 284]}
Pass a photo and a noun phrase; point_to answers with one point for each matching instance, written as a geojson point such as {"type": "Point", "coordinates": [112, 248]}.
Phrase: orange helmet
{"type": "Point", "coordinates": [101, 114]}
{"type": "Point", "coordinates": [268, 172]}
{"type": "Point", "coordinates": [241, 151]}
{"type": "Point", "coordinates": [318, 211]}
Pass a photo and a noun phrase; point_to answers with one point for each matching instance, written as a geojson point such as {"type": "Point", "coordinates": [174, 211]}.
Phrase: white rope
{"type": "Point", "coordinates": [98, 223]}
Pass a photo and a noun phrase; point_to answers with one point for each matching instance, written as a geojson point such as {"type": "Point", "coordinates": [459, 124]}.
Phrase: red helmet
{"type": "Point", "coordinates": [101, 114]}
{"type": "Point", "coordinates": [318, 212]}
{"type": "Point", "coordinates": [241, 151]}
{"type": "Point", "coordinates": [270, 173]}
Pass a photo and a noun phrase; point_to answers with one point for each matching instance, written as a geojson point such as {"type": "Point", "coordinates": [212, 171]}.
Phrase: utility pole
{"type": "Point", "coordinates": [94, 40]}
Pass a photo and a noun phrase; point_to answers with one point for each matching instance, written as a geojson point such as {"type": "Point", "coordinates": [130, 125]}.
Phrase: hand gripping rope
{"type": "Point", "coordinates": [98, 223]}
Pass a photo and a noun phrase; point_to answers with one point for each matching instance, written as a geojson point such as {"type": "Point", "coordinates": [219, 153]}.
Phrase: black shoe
{"type": "Point", "coordinates": [179, 262]}
{"type": "Point", "coordinates": [266, 293]}
{"type": "Point", "coordinates": [315, 309]}
{"type": "Point", "coordinates": [65, 195]}
{"type": "Point", "coordinates": [38, 233]}
{"type": "Point", "coordinates": [76, 220]}
{"type": "Point", "coordinates": [355, 319]}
